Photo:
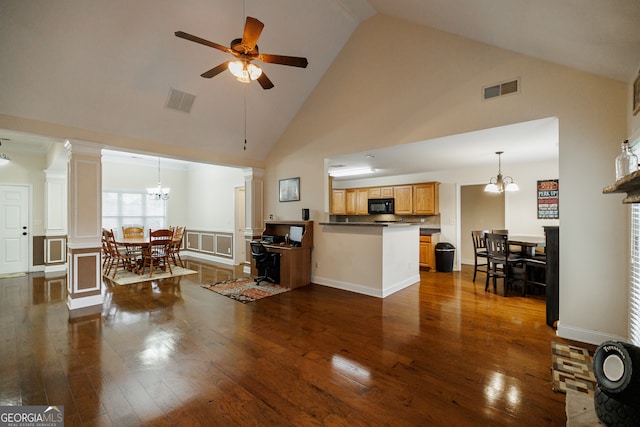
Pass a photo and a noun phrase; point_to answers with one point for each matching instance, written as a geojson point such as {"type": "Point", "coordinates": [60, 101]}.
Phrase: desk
{"type": "Point", "coordinates": [295, 261]}
{"type": "Point", "coordinates": [528, 244]}
{"type": "Point", "coordinates": [295, 264]}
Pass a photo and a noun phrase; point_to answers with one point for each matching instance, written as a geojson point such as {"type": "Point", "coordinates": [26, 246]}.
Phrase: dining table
{"type": "Point", "coordinates": [527, 244]}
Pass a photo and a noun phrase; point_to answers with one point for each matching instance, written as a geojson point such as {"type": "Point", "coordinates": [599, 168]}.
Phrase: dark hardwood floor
{"type": "Point", "coordinates": [441, 353]}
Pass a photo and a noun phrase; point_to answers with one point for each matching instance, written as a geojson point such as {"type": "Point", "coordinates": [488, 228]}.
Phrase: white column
{"type": "Point", "coordinates": [84, 225]}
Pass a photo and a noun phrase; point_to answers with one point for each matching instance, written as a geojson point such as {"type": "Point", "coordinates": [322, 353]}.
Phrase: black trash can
{"type": "Point", "coordinates": [444, 256]}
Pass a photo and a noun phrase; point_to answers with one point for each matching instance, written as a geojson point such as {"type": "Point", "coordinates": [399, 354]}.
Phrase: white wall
{"type": "Point", "coordinates": [201, 195]}
{"type": "Point", "coordinates": [210, 202]}
{"type": "Point", "coordinates": [439, 95]}
{"type": "Point", "coordinates": [123, 176]}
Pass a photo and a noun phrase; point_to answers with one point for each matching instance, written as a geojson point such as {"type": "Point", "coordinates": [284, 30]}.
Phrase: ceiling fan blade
{"type": "Point", "coordinates": [294, 61]}
{"type": "Point", "coordinates": [252, 30]}
{"type": "Point", "coordinates": [215, 70]}
{"type": "Point", "coordinates": [264, 81]}
{"type": "Point", "coordinates": [197, 39]}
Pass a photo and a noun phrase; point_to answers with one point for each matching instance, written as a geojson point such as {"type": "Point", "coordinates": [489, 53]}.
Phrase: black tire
{"type": "Point", "coordinates": [614, 413]}
{"type": "Point", "coordinates": [613, 366]}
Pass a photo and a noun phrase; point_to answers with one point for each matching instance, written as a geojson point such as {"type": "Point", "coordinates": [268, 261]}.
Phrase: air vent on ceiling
{"type": "Point", "coordinates": [180, 101]}
{"type": "Point", "coordinates": [501, 89]}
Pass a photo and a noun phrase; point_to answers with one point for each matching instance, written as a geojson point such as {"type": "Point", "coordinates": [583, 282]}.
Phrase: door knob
{"type": "Point", "coordinates": [24, 227]}
{"type": "Point", "coordinates": [24, 234]}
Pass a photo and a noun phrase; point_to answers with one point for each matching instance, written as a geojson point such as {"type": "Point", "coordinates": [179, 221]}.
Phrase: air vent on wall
{"type": "Point", "coordinates": [180, 101]}
{"type": "Point", "coordinates": [501, 89]}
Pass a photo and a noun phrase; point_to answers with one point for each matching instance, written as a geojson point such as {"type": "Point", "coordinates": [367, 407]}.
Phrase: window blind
{"type": "Point", "coordinates": [634, 291]}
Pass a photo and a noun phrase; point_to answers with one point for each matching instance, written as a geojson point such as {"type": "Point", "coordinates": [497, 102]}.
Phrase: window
{"type": "Point", "coordinates": [634, 291]}
{"type": "Point", "coordinates": [634, 285]}
{"type": "Point", "coordinates": [120, 208]}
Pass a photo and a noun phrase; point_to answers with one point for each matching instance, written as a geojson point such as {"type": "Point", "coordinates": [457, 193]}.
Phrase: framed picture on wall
{"type": "Point", "coordinates": [290, 190]}
{"type": "Point", "coordinates": [548, 199]}
{"type": "Point", "coordinates": [636, 95]}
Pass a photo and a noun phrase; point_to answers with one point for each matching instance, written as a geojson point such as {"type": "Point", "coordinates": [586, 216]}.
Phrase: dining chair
{"type": "Point", "coordinates": [502, 264]}
{"type": "Point", "coordinates": [106, 253]}
{"type": "Point", "coordinates": [176, 245]}
{"type": "Point", "coordinates": [156, 252]}
{"type": "Point", "coordinates": [480, 262]}
{"type": "Point", "coordinates": [117, 257]}
{"type": "Point", "coordinates": [133, 232]}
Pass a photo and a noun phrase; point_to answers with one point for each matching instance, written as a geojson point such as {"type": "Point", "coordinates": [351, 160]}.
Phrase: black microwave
{"type": "Point", "coordinates": [380, 206]}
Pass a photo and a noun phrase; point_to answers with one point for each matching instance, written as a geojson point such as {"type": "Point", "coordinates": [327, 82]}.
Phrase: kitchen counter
{"type": "Point", "coordinates": [372, 224]}
{"type": "Point", "coordinates": [425, 231]}
{"type": "Point", "coordinates": [383, 257]}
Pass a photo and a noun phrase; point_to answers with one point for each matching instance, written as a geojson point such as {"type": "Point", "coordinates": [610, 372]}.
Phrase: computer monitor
{"type": "Point", "coordinates": [295, 234]}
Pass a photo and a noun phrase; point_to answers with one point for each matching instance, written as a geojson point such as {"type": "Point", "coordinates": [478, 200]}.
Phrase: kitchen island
{"type": "Point", "coordinates": [374, 259]}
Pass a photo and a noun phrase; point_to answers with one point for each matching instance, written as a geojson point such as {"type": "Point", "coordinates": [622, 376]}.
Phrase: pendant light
{"type": "Point", "coordinates": [498, 184]}
{"type": "Point", "coordinates": [158, 193]}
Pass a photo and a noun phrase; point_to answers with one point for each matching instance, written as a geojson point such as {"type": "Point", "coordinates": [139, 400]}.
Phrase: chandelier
{"type": "Point", "coordinates": [244, 71]}
{"type": "Point", "coordinates": [158, 193]}
{"type": "Point", "coordinates": [498, 184]}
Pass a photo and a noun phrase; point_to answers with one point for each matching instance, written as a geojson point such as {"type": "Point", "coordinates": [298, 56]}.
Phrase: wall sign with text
{"type": "Point", "coordinates": [548, 199]}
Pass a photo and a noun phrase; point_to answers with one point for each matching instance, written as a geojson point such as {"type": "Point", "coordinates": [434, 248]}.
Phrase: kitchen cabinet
{"type": "Point", "coordinates": [425, 198]}
{"type": "Point", "coordinates": [338, 202]}
{"type": "Point", "coordinates": [362, 201]}
{"type": "Point", "coordinates": [357, 201]}
{"type": "Point", "coordinates": [352, 201]}
{"type": "Point", "coordinates": [427, 253]}
{"type": "Point", "coordinates": [403, 195]}
{"type": "Point", "coordinates": [380, 192]}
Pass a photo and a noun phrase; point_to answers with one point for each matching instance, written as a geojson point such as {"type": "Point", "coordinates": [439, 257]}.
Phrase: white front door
{"type": "Point", "coordinates": [14, 234]}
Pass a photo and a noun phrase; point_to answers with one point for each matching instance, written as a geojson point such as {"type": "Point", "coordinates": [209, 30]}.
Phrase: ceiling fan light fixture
{"type": "Point", "coordinates": [244, 71]}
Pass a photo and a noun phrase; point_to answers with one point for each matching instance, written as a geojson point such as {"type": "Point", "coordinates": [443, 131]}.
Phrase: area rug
{"type": "Point", "coordinates": [245, 289]}
{"type": "Point", "coordinates": [572, 369]}
{"type": "Point", "coordinates": [128, 277]}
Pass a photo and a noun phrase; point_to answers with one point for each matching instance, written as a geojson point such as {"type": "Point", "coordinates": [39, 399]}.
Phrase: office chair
{"type": "Point", "coordinates": [267, 263]}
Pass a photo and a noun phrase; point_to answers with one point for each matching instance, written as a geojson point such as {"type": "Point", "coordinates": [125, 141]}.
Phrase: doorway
{"type": "Point", "coordinates": [14, 232]}
{"type": "Point", "coordinates": [478, 211]}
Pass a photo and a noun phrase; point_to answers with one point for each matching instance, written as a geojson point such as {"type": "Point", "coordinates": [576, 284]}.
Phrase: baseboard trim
{"type": "Point", "coordinates": [584, 335]}
{"type": "Point", "coordinates": [359, 289]}
{"type": "Point", "coordinates": [197, 255]}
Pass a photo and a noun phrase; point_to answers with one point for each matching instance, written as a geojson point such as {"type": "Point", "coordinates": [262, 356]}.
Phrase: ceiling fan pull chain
{"type": "Point", "coordinates": [244, 96]}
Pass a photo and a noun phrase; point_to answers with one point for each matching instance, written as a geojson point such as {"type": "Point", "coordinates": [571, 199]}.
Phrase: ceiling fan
{"type": "Point", "coordinates": [246, 50]}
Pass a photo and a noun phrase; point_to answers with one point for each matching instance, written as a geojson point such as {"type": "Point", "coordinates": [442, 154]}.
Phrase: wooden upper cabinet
{"type": "Point", "coordinates": [362, 202]}
{"type": "Point", "coordinates": [403, 195]}
{"type": "Point", "coordinates": [338, 202]}
{"type": "Point", "coordinates": [352, 201]}
{"type": "Point", "coordinates": [386, 192]}
{"type": "Point", "coordinates": [425, 198]}
{"type": "Point", "coordinates": [380, 192]}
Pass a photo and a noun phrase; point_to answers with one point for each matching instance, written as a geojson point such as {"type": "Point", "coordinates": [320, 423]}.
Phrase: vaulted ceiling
{"type": "Point", "coordinates": [108, 66]}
